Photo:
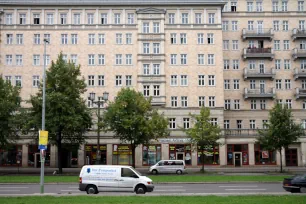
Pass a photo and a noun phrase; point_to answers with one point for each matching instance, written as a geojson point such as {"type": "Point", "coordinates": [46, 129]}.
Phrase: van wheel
{"type": "Point", "coordinates": [154, 172]}
{"type": "Point", "coordinates": [303, 190]}
{"type": "Point", "coordinates": [140, 189]}
{"type": "Point", "coordinates": [91, 189]}
{"type": "Point", "coordinates": [179, 172]}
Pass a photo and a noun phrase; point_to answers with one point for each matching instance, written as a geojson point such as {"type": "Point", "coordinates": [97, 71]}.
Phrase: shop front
{"type": "Point", "coordinates": [180, 152]}
{"type": "Point", "coordinates": [91, 154]}
{"type": "Point", "coordinates": [264, 157]}
{"type": "Point", "coordinates": [151, 154]}
{"type": "Point", "coordinates": [34, 156]}
{"type": "Point", "coordinates": [211, 155]}
{"type": "Point", "coordinates": [11, 156]}
{"type": "Point", "coordinates": [122, 154]}
{"type": "Point", "coordinates": [237, 154]}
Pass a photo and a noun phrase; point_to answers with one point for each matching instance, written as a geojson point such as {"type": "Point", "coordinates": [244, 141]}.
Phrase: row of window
{"type": "Point", "coordinates": [184, 101]}
{"type": "Point", "coordinates": [174, 79]}
{"type": "Point", "coordinates": [234, 104]}
{"type": "Point", "coordinates": [186, 123]}
{"type": "Point", "coordinates": [183, 38]}
{"type": "Point", "coordinates": [101, 80]}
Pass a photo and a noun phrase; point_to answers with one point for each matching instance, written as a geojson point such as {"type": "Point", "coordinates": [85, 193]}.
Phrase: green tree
{"type": "Point", "coordinates": [280, 132]}
{"type": "Point", "coordinates": [203, 134]}
{"type": "Point", "coordinates": [67, 116]}
{"type": "Point", "coordinates": [133, 120]}
{"type": "Point", "coordinates": [9, 112]}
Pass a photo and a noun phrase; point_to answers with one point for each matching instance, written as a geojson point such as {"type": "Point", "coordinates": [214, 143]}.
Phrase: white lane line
{"type": "Point", "coordinates": [71, 190]}
{"type": "Point", "coordinates": [9, 190]}
{"type": "Point", "coordinates": [13, 187]}
{"type": "Point", "coordinates": [172, 190]}
{"type": "Point", "coordinates": [254, 189]}
{"type": "Point", "coordinates": [238, 186]}
{"type": "Point", "coordinates": [169, 186]}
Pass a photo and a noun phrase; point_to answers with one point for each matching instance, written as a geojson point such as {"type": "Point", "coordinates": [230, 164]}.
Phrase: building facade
{"type": "Point", "coordinates": [237, 57]}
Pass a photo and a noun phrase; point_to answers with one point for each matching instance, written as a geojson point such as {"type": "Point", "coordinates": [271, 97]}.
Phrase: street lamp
{"type": "Point", "coordinates": [99, 102]}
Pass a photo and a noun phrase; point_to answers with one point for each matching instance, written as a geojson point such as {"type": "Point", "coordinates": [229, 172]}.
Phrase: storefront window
{"type": "Point", "coordinates": [151, 154]}
{"type": "Point", "coordinates": [241, 150]}
{"type": "Point", "coordinates": [263, 157]}
{"type": "Point", "coordinates": [122, 154]}
{"type": "Point", "coordinates": [91, 154]}
{"type": "Point", "coordinates": [11, 156]}
{"type": "Point", "coordinates": [180, 152]}
{"type": "Point", "coordinates": [211, 155]}
{"type": "Point", "coordinates": [34, 156]}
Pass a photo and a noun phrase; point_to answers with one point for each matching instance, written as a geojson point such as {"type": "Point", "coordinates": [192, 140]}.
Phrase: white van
{"type": "Point", "coordinates": [96, 178]}
{"type": "Point", "coordinates": [168, 166]}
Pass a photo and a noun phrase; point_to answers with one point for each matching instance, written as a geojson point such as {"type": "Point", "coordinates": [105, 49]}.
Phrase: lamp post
{"type": "Point", "coordinates": [99, 102]}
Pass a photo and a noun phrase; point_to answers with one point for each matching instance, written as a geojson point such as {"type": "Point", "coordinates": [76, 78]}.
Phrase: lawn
{"type": "Point", "coordinates": [155, 200]}
{"type": "Point", "coordinates": [159, 178]}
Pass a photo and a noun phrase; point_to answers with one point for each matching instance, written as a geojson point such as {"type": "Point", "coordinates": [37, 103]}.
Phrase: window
{"type": "Point", "coordinates": [35, 80]}
{"type": "Point", "coordinates": [173, 59]}
{"type": "Point", "coordinates": [236, 84]}
{"type": "Point", "coordinates": [91, 59]}
{"type": "Point", "coordinates": [77, 18]}
{"type": "Point", "coordinates": [128, 59]}
{"type": "Point", "coordinates": [156, 48]}
{"type": "Point", "coordinates": [239, 124]}
{"type": "Point", "coordinates": [235, 44]}
{"type": "Point", "coordinates": [145, 28]}
{"type": "Point", "coordinates": [119, 80]}
{"type": "Point", "coordinates": [156, 28]}
{"type": "Point", "coordinates": [47, 60]}
{"type": "Point", "coordinates": [130, 18]}
{"type": "Point", "coordinates": [9, 19]}
{"type": "Point", "coordinates": [250, 25]}
{"type": "Point", "coordinates": [173, 101]}
{"type": "Point", "coordinates": [156, 69]}
{"type": "Point", "coordinates": [172, 123]}
{"type": "Point", "coordinates": [252, 84]}
{"type": "Point", "coordinates": [284, 6]}
{"type": "Point", "coordinates": [173, 38]}
{"type": "Point", "coordinates": [263, 104]}
{"type": "Point", "coordinates": [259, 6]}
{"type": "Point", "coordinates": [300, 5]}
{"type": "Point", "coordinates": [289, 103]}
{"type": "Point", "coordinates": [236, 64]}
{"type": "Point", "coordinates": [36, 39]}
{"type": "Point", "coordinates": [63, 18]}
{"type": "Point", "coordinates": [118, 38]}
{"type": "Point", "coordinates": [128, 80]}
{"type": "Point", "coordinates": [253, 104]}
{"type": "Point", "coordinates": [128, 38]}
{"type": "Point", "coordinates": [303, 84]}
{"type": "Point", "coordinates": [184, 101]}
{"type": "Point", "coordinates": [36, 60]}
{"type": "Point", "coordinates": [302, 25]}
{"type": "Point", "coordinates": [285, 26]}
{"type": "Point", "coordinates": [211, 59]}
{"type": "Point", "coordinates": [252, 64]}
{"type": "Point", "coordinates": [101, 59]}
{"type": "Point", "coordinates": [22, 19]}
{"type": "Point", "coordinates": [276, 44]}
{"type": "Point", "coordinates": [198, 18]}
{"type": "Point", "coordinates": [226, 124]}
{"type": "Point", "coordinates": [226, 84]}
{"type": "Point", "coordinates": [277, 64]}
{"type": "Point", "coordinates": [200, 38]}
{"type": "Point", "coordinates": [48, 38]}
{"type": "Point", "coordinates": [275, 6]}
{"type": "Point", "coordinates": [36, 19]}
{"type": "Point", "coordinates": [276, 25]}
{"type": "Point", "coordinates": [287, 84]}
{"type": "Point", "coordinates": [201, 79]}
{"type": "Point", "coordinates": [226, 64]}
{"type": "Point", "coordinates": [214, 121]}
{"type": "Point", "coordinates": [224, 25]}
{"type": "Point", "coordinates": [234, 25]}
{"type": "Point", "coordinates": [211, 101]}
{"type": "Point", "coordinates": [91, 80]}
{"type": "Point", "coordinates": [9, 39]}
{"type": "Point", "coordinates": [74, 39]}
{"type": "Point", "coordinates": [146, 48]}
{"type": "Point", "coordinates": [211, 80]}
{"type": "Point", "coordinates": [304, 105]}
{"type": "Point", "coordinates": [18, 81]}
{"type": "Point", "coordinates": [304, 124]}
{"type": "Point", "coordinates": [249, 6]}
{"type": "Point", "coordinates": [118, 59]}
{"type": "Point", "coordinates": [19, 39]}
{"type": "Point", "coordinates": [103, 18]}
{"type": "Point", "coordinates": [8, 79]}
{"type": "Point", "coordinates": [173, 80]}
{"type": "Point", "coordinates": [233, 6]}
{"type": "Point", "coordinates": [201, 59]}
{"type": "Point", "coordinates": [286, 45]}
{"type": "Point", "coordinates": [183, 59]}
{"type": "Point", "coordinates": [90, 18]}
{"type": "Point", "coordinates": [303, 64]}
{"type": "Point", "coordinates": [19, 60]}
{"type": "Point", "coordinates": [211, 18]}
{"type": "Point", "coordinates": [184, 80]}
{"type": "Point", "coordinates": [287, 64]}
{"type": "Point", "coordinates": [236, 104]}
{"type": "Point", "coordinates": [9, 59]}
{"type": "Point", "coordinates": [146, 90]}
{"type": "Point", "coordinates": [64, 39]}
{"type": "Point", "coordinates": [183, 37]}
{"type": "Point", "coordinates": [146, 69]}
{"type": "Point", "coordinates": [101, 81]}
{"type": "Point", "coordinates": [186, 122]}
{"type": "Point", "coordinates": [91, 39]}
{"type": "Point", "coordinates": [117, 18]}
{"type": "Point", "coordinates": [252, 124]}
{"type": "Point", "coordinates": [184, 18]}
{"type": "Point", "coordinates": [278, 83]}
{"type": "Point", "coordinates": [225, 44]}
{"type": "Point", "coordinates": [50, 19]}
{"type": "Point", "coordinates": [74, 59]}
{"type": "Point", "coordinates": [101, 39]}
{"type": "Point", "coordinates": [227, 104]}
{"type": "Point", "coordinates": [201, 101]}
{"type": "Point", "coordinates": [210, 38]}
{"type": "Point", "coordinates": [171, 18]}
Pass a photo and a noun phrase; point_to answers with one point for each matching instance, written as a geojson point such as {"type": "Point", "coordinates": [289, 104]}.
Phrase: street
{"type": "Point", "coordinates": [160, 189]}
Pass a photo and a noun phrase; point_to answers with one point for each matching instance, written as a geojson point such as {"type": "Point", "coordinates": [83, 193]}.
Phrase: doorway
{"type": "Point", "coordinates": [260, 44]}
{"type": "Point", "coordinates": [37, 160]}
{"type": "Point", "coordinates": [180, 155]}
{"type": "Point", "coordinates": [237, 159]}
{"type": "Point", "coordinates": [291, 157]}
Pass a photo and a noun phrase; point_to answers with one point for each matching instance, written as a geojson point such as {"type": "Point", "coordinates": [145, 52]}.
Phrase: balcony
{"type": "Point", "coordinates": [300, 93]}
{"type": "Point", "coordinates": [298, 34]}
{"type": "Point", "coordinates": [156, 79]}
{"type": "Point", "coordinates": [258, 74]}
{"type": "Point", "coordinates": [259, 93]}
{"type": "Point", "coordinates": [258, 34]}
{"type": "Point", "coordinates": [158, 100]}
{"type": "Point", "coordinates": [151, 37]}
{"type": "Point", "coordinates": [299, 73]}
{"type": "Point", "coordinates": [151, 57]}
{"type": "Point", "coordinates": [298, 53]}
{"type": "Point", "coordinates": [245, 132]}
{"type": "Point", "coordinates": [258, 53]}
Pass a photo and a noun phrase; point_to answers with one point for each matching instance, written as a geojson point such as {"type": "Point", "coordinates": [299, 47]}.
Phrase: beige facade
{"type": "Point", "coordinates": [236, 57]}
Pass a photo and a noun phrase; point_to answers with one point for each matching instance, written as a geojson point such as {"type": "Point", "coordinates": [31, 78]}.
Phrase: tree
{"type": "Point", "coordinates": [280, 132]}
{"type": "Point", "coordinates": [203, 134]}
{"type": "Point", "coordinates": [9, 112]}
{"type": "Point", "coordinates": [67, 117]}
{"type": "Point", "coordinates": [133, 120]}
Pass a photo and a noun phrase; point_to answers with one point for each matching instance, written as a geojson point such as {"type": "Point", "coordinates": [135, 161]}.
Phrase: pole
{"type": "Point", "coordinates": [98, 139]}
{"type": "Point", "coordinates": [42, 160]}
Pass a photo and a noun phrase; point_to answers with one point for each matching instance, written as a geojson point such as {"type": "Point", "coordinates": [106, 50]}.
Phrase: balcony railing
{"type": "Point", "coordinates": [245, 132]}
{"type": "Point", "coordinates": [151, 57]}
{"type": "Point", "coordinates": [298, 34]}
{"type": "Point", "coordinates": [151, 79]}
{"type": "Point", "coordinates": [258, 53]}
{"type": "Point", "coordinates": [258, 34]}
{"type": "Point", "coordinates": [300, 93]}
{"type": "Point", "coordinates": [259, 73]}
{"type": "Point", "coordinates": [298, 53]}
{"type": "Point", "coordinates": [151, 37]}
{"type": "Point", "coordinates": [158, 100]}
{"type": "Point", "coordinates": [299, 73]}
{"type": "Point", "coordinates": [259, 93]}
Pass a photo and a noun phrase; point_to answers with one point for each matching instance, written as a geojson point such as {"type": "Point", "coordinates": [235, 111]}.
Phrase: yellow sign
{"type": "Point", "coordinates": [43, 137]}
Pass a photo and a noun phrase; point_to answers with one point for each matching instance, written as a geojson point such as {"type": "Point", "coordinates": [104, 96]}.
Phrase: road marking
{"type": "Point", "coordinates": [254, 189]}
{"type": "Point", "coordinates": [174, 190]}
{"type": "Point", "coordinates": [71, 190]}
{"type": "Point", "coordinates": [169, 186]}
{"type": "Point", "coordinates": [238, 186]}
{"type": "Point", "coordinates": [9, 190]}
{"type": "Point", "coordinates": [73, 187]}
{"type": "Point", "coordinates": [13, 187]}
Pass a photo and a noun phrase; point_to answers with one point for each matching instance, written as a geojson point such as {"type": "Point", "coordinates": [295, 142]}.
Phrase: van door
{"type": "Point", "coordinates": [106, 179]}
{"type": "Point", "coordinates": [128, 179]}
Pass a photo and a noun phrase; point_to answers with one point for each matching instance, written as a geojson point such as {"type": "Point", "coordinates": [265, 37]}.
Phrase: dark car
{"type": "Point", "coordinates": [295, 184]}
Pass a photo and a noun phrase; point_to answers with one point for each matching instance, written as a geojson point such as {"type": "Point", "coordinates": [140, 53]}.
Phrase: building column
{"type": "Point", "coordinates": [138, 156]}
{"type": "Point", "coordinates": [29, 17]}
{"type": "Point", "coordinates": [53, 156]}
{"type": "Point", "coordinates": [97, 16]}
{"type": "Point", "coordinates": [25, 155]}
{"type": "Point", "coordinates": [165, 151]}
{"type": "Point", "coordinates": [222, 153]}
{"type": "Point", "coordinates": [109, 154]}
{"type": "Point", "coordinates": [278, 159]}
{"type": "Point", "coordinates": [81, 156]}
{"type": "Point", "coordinates": [194, 156]}
{"type": "Point", "coordinates": [251, 154]}
{"type": "Point", "coordinates": [205, 16]}
{"type": "Point", "coordinates": [303, 151]}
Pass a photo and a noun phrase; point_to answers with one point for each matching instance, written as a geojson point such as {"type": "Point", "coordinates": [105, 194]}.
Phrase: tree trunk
{"type": "Point", "coordinates": [133, 155]}
{"type": "Point", "coordinates": [281, 160]}
{"type": "Point", "coordinates": [202, 160]}
{"type": "Point", "coordinates": [59, 152]}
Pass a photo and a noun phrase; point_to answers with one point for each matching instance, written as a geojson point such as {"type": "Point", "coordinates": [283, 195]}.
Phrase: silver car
{"type": "Point", "coordinates": [168, 166]}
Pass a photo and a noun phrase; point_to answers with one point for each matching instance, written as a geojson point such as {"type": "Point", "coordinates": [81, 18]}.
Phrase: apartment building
{"type": "Point", "coordinates": [237, 57]}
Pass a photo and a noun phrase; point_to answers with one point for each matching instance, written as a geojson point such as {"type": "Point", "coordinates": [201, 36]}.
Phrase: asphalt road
{"type": "Point", "coordinates": [160, 189]}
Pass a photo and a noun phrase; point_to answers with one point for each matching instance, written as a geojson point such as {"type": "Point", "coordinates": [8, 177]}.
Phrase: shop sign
{"type": "Point", "coordinates": [265, 154]}
{"type": "Point", "coordinates": [122, 149]}
{"type": "Point", "coordinates": [174, 140]}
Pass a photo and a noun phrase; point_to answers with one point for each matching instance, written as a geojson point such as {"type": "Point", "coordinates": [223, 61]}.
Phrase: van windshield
{"type": "Point", "coordinates": [136, 171]}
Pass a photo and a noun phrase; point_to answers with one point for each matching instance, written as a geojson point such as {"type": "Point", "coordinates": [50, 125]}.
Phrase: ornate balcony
{"type": "Point", "coordinates": [151, 37]}
{"type": "Point", "coordinates": [258, 34]}
{"type": "Point", "coordinates": [158, 100]}
{"type": "Point", "coordinates": [298, 53]}
{"type": "Point", "coordinates": [258, 53]}
{"type": "Point", "coordinates": [298, 34]}
{"type": "Point", "coordinates": [300, 93]}
{"type": "Point", "coordinates": [259, 93]}
{"type": "Point", "coordinates": [151, 57]}
{"type": "Point", "coordinates": [258, 73]}
{"type": "Point", "coordinates": [299, 73]}
{"type": "Point", "coordinates": [156, 79]}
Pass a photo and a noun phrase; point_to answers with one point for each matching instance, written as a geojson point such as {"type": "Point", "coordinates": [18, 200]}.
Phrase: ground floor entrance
{"type": "Point", "coordinates": [291, 157]}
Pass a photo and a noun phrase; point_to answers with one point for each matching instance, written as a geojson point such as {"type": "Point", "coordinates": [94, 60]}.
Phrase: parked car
{"type": "Point", "coordinates": [168, 166]}
{"type": "Point", "coordinates": [295, 184]}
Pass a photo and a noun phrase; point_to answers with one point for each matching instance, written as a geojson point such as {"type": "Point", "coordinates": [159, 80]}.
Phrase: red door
{"type": "Point", "coordinates": [291, 157]}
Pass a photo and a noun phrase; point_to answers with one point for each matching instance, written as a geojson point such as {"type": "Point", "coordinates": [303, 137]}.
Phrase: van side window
{"type": "Point", "coordinates": [126, 172]}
